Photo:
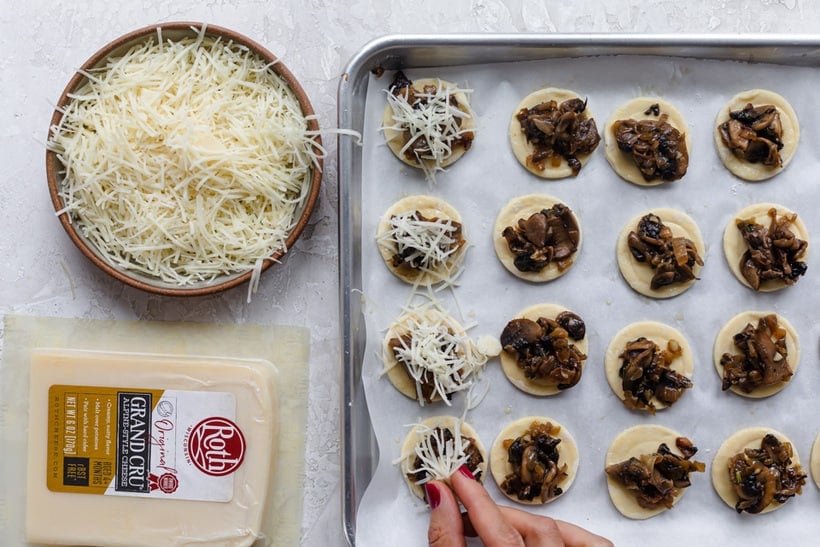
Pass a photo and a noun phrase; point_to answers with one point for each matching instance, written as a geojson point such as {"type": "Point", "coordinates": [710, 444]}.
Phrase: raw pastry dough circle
{"type": "Point", "coordinates": [567, 452]}
{"type": "Point", "coordinates": [522, 148]}
{"type": "Point", "coordinates": [408, 448]}
{"type": "Point", "coordinates": [639, 275]}
{"type": "Point", "coordinates": [656, 332]}
{"type": "Point", "coordinates": [395, 139]}
{"type": "Point", "coordinates": [509, 363]}
{"type": "Point", "coordinates": [734, 246]}
{"type": "Point", "coordinates": [634, 442]}
{"type": "Point", "coordinates": [429, 207]}
{"type": "Point", "coordinates": [621, 161]}
{"type": "Point", "coordinates": [791, 134]}
{"type": "Point", "coordinates": [814, 460]}
{"type": "Point", "coordinates": [740, 440]}
{"type": "Point", "coordinates": [725, 344]}
{"type": "Point", "coordinates": [524, 207]}
{"type": "Point", "coordinates": [396, 372]}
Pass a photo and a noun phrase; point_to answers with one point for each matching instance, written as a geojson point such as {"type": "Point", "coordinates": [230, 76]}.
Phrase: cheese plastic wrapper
{"type": "Point", "coordinates": [132, 448]}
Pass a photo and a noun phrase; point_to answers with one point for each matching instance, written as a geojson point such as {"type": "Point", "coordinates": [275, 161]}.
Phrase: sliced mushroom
{"type": "Point", "coordinates": [754, 134]}
{"type": "Point", "coordinates": [657, 147]}
{"type": "Point", "coordinates": [544, 350]}
{"type": "Point", "coordinates": [646, 374]}
{"type": "Point", "coordinates": [761, 476]}
{"type": "Point", "coordinates": [558, 131]}
{"type": "Point", "coordinates": [537, 470]}
{"type": "Point", "coordinates": [774, 252]}
{"type": "Point", "coordinates": [548, 236]}
{"type": "Point", "coordinates": [763, 358]}
{"type": "Point", "coordinates": [672, 258]}
{"type": "Point", "coordinates": [657, 479]}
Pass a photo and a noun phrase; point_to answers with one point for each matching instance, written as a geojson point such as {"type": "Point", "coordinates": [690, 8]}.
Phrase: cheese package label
{"type": "Point", "coordinates": [143, 442]}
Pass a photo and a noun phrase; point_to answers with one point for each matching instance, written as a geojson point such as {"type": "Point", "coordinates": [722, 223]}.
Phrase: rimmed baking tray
{"type": "Point", "coordinates": [359, 450]}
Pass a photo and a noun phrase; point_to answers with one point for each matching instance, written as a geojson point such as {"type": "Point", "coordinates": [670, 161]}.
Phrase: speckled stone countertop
{"type": "Point", "coordinates": [41, 44]}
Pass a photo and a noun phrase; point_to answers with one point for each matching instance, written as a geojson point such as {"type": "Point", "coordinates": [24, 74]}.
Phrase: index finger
{"type": "Point", "coordinates": [485, 516]}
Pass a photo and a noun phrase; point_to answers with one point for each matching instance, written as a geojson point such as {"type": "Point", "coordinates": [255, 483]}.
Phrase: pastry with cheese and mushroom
{"type": "Point", "coordinates": [421, 239]}
{"type": "Point", "coordinates": [436, 448]}
{"type": "Point", "coordinates": [427, 123]}
{"type": "Point", "coordinates": [553, 133]}
{"type": "Point", "coordinates": [756, 134]}
{"type": "Point", "coordinates": [429, 357]}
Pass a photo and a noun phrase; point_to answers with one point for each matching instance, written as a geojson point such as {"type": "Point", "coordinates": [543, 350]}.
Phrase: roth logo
{"type": "Point", "coordinates": [216, 446]}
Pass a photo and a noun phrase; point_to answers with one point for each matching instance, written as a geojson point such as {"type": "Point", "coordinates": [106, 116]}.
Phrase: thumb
{"type": "Point", "coordinates": [446, 528]}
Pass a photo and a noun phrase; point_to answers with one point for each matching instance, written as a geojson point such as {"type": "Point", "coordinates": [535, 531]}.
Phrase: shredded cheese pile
{"type": "Point", "coordinates": [430, 244]}
{"type": "Point", "coordinates": [435, 350]}
{"type": "Point", "coordinates": [184, 160]}
{"type": "Point", "coordinates": [434, 117]}
{"type": "Point", "coordinates": [438, 458]}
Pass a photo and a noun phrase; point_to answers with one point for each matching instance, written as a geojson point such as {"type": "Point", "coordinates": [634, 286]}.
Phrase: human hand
{"type": "Point", "coordinates": [495, 525]}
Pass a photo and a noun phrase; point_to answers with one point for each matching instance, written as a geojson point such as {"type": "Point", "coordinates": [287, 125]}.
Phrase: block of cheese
{"type": "Point", "coordinates": [148, 450]}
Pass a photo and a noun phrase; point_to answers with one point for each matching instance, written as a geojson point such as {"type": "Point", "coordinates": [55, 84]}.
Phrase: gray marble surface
{"type": "Point", "coordinates": [41, 44]}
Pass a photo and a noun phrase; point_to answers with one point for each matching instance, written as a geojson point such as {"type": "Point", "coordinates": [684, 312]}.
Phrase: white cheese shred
{"type": "Point", "coordinates": [434, 117]}
{"type": "Point", "coordinates": [432, 245]}
{"type": "Point", "coordinates": [185, 160]}
{"type": "Point", "coordinates": [431, 348]}
{"type": "Point", "coordinates": [439, 458]}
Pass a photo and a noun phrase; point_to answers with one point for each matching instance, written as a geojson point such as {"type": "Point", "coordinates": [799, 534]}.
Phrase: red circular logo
{"type": "Point", "coordinates": [168, 483]}
{"type": "Point", "coordinates": [216, 446]}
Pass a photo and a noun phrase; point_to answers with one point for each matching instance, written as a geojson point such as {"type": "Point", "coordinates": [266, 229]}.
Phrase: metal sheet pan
{"type": "Point", "coordinates": [359, 451]}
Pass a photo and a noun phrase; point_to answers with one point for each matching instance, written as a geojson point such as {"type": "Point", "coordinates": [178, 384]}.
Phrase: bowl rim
{"type": "Point", "coordinates": [132, 38]}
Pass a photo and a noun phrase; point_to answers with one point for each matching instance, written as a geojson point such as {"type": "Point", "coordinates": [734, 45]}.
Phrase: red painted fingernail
{"type": "Point", "coordinates": [464, 470]}
{"type": "Point", "coordinates": [433, 495]}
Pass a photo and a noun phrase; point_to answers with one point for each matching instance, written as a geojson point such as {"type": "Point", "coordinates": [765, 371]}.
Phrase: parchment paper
{"type": "Point", "coordinates": [488, 176]}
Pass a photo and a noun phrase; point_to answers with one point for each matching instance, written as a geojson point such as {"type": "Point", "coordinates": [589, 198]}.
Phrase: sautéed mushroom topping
{"type": "Point", "coordinates": [657, 148]}
{"type": "Point", "coordinates": [646, 374]}
{"type": "Point", "coordinates": [656, 479]}
{"type": "Point", "coordinates": [763, 358]}
{"type": "Point", "coordinates": [548, 236]}
{"type": "Point", "coordinates": [774, 252]}
{"type": "Point", "coordinates": [672, 258]}
{"type": "Point", "coordinates": [754, 134]}
{"type": "Point", "coordinates": [762, 475]}
{"type": "Point", "coordinates": [544, 348]}
{"type": "Point", "coordinates": [558, 131]}
{"type": "Point", "coordinates": [537, 469]}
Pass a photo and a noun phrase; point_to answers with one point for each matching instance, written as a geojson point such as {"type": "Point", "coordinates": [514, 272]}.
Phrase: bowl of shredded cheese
{"type": "Point", "coordinates": [184, 159]}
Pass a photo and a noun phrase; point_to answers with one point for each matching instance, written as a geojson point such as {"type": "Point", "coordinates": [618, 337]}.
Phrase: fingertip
{"type": "Point", "coordinates": [433, 494]}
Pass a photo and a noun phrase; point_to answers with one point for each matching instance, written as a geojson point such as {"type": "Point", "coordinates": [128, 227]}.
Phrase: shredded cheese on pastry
{"type": "Point", "coordinates": [185, 160]}
{"type": "Point", "coordinates": [432, 245]}
{"type": "Point", "coordinates": [435, 117]}
{"type": "Point", "coordinates": [438, 458]}
{"type": "Point", "coordinates": [434, 351]}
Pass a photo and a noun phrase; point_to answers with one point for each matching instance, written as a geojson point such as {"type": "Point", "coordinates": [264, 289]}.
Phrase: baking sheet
{"type": "Point", "coordinates": [488, 296]}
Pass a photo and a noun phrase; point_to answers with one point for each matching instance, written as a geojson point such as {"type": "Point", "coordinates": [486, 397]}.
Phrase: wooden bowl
{"type": "Point", "coordinates": [176, 31]}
